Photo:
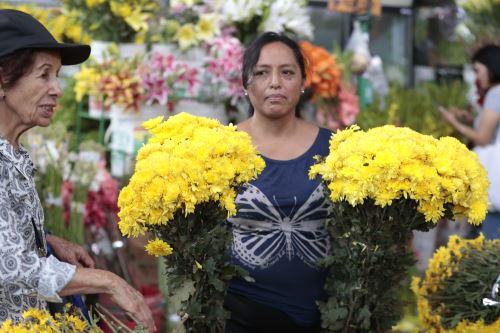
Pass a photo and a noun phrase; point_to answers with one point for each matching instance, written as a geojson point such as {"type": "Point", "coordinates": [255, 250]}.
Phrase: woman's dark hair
{"type": "Point", "coordinates": [489, 56]}
{"type": "Point", "coordinates": [252, 54]}
{"type": "Point", "coordinates": [15, 65]}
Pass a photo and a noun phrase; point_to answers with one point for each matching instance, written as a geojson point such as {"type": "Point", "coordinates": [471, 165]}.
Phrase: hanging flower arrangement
{"type": "Point", "coordinates": [181, 192]}
{"type": "Point", "coordinates": [383, 184]}
{"type": "Point", "coordinates": [459, 293]}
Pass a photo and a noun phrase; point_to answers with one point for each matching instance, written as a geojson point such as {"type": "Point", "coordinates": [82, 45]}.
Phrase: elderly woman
{"type": "Point", "coordinates": [278, 231]}
{"type": "Point", "coordinates": [30, 59]}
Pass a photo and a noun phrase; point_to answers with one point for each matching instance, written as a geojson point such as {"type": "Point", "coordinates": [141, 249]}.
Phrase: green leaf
{"type": "Point", "coordinates": [180, 295]}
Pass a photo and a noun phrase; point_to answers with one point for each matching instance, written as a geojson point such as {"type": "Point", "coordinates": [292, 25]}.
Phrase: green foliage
{"type": "Point", "coordinates": [417, 108]}
{"type": "Point", "coordinates": [368, 265]}
{"type": "Point", "coordinates": [463, 292]}
{"type": "Point", "coordinates": [67, 109]}
{"type": "Point", "coordinates": [452, 53]}
{"type": "Point", "coordinates": [67, 113]}
{"type": "Point", "coordinates": [203, 239]}
{"type": "Point", "coordinates": [483, 20]}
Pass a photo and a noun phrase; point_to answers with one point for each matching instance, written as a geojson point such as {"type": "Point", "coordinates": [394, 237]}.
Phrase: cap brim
{"type": "Point", "coordinates": [71, 54]}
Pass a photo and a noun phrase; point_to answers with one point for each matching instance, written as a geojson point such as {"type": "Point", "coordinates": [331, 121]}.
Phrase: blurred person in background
{"type": "Point", "coordinates": [486, 126]}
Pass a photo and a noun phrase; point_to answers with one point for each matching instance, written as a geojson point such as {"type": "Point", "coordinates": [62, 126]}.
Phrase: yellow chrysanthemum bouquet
{"type": "Point", "coordinates": [69, 320]}
{"type": "Point", "coordinates": [37, 320]}
{"type": "Point", "coordinates": [459, 293]}
{"type": "Point", "coordinates": [181, 192]}
{"type": "Point", "coordinates": [383, 184]}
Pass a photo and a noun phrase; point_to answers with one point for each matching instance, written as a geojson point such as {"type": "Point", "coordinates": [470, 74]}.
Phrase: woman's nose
{"type": "Point", "coordinates": [275, 80]}
{"type": "Point", "coordinates": [56, 90]}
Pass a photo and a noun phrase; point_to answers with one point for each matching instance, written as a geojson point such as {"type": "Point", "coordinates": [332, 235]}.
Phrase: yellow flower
{"type": "Point", "coordinates": [207, 27]}
{"type": "Point", "coordinates": [186, 36]}
{"type": "Point", "coordinates": [87, 81]}
{"type": "Point", "coordinates": [152, 123]}
{"type": "Point", "coordinates": [41, 316]}
{"type": "Point", "coordinates": [188, 161]}
{"type": "Point", "coordinates": [198, 265]}
{"type": "Point", "coordinates": [120, 8]}
{"type": "Point", "coordinates": [389, 163]}
{"type": "Point", "coordinates": [158, 248]}
{"type": "Point", "coordinates": [94, 3]}
{"type": "Point", "coordinates": [442, 265]}
{"type": "Point", "coordinates": [138, 20]}
{"type": "Point", "coordinates": [77, 322]}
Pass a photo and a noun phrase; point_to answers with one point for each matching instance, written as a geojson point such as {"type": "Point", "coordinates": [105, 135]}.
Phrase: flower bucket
{"type": "Point", "coordinates": [97, 49]}
{"type": "Point", "coordinates": [164, 48]}
{"type": "Point", "coordinates": [126, 135]}
{"type": "Point", "coordinates": [127, 50]}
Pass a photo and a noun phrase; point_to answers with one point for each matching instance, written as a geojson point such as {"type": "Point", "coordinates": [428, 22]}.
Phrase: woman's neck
{"type": "Point", "coordinates": [262, 126]}
{"type": "Point", "coordinates": [8, 130]}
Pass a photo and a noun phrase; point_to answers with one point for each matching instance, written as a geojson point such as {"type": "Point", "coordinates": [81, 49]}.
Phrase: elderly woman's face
{"type": "Point", "coordinates": [276, 82]}
{"type": "Point", "coordinates": [34, 96]}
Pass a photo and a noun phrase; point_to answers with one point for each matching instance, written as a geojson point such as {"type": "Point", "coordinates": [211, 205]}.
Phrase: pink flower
{"type": "Point", "coordinates": [163, 77]}
{"type": "Point", "coordinates": [225, 66]}
{"type": "Point", "coordinates": [348, 107]}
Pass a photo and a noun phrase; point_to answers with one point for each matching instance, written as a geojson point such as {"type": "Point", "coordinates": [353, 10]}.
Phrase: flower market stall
{"type": "Point", "coordinates": [143, 161]}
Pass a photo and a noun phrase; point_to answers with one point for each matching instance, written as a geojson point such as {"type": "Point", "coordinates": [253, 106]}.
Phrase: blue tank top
{"type": "Point", "coordinates": [279, 234]}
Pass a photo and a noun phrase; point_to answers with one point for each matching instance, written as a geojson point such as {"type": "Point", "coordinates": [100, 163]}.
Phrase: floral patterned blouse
{"type": "Point", "coordinates": [27, 277]}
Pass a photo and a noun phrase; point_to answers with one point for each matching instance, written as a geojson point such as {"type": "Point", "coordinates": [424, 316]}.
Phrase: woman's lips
{"type": "Point", "coordinates": [47, 110]}
{"type": "Point", "coordinates": [276, 98]}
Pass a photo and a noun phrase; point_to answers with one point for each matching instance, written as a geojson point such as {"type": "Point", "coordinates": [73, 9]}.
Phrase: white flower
{"type": "Point", "coordinates": [464, 33]}
{"type": "Point", "coordinates": [285, 15]}
{"type": "Point", "coordinates": [241, 10]}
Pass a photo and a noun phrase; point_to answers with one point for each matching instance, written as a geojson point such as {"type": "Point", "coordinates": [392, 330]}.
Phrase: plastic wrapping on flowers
{"type": "Point", "coordinates": [459, 291]}
{"type": "Point", "coordinates": [181, 192]}
{"type": "Point", "coordinates": [384, 183]}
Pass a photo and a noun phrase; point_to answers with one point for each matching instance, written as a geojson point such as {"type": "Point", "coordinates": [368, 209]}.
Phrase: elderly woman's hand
{"type": "Point", "coordinates": [69, 252]}
{"type": "Point", "coordinates": [96, 281]}
{"type": "Point", "coordinates": [132, 302]}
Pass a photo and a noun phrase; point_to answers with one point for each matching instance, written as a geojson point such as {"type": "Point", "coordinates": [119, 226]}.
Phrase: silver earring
{"type": "Point", "coordinates": [246, 93]}
{"type": "Point", "coordinates": [302, 91]}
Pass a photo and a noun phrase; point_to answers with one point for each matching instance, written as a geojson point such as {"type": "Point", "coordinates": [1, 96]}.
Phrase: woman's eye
{"type": "Point", "coordinates": [45, 75]}
{"type": "Point", "coordinates": [288, 72]}
{"type": "Point", "coordinates": [259, 73]}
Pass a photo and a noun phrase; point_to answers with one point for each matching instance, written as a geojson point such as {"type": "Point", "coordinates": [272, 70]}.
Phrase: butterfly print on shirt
{"type": "Point", "coordinates": [263, 234]}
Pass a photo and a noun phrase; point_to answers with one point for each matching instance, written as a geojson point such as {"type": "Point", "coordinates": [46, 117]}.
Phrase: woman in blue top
{"type": "Point", "coordinates": [279, 232]}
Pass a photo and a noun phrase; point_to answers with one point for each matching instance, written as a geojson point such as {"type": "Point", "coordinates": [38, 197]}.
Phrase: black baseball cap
{"type": "Point", "coordinates": [19, 30]}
